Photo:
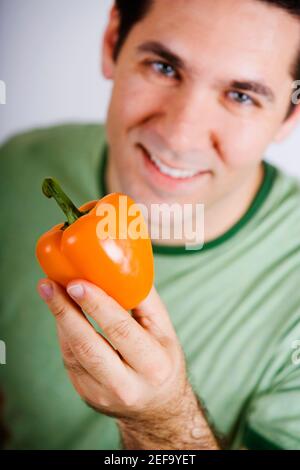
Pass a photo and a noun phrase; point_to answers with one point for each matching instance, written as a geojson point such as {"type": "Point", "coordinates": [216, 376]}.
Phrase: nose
{"type": "Point", "coordinates": [189, 122]}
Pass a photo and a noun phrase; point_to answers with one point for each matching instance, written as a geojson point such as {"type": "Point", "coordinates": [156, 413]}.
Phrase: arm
{"type": "Point", "coordinates": [185, 429]}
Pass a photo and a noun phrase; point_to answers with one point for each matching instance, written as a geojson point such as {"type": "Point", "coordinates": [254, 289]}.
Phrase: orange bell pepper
{"type": "Point", "coordinates": [121, 266]}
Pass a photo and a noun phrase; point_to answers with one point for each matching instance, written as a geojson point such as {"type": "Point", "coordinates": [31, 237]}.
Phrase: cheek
{"type": "Point", "coordinates": [135, 100]}
{"type": "Point", "coordinates": [244, 143]}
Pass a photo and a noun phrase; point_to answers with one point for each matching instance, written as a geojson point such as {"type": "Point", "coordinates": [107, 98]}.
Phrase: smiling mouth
{"type": "Point", "coordinates": [171, 172]}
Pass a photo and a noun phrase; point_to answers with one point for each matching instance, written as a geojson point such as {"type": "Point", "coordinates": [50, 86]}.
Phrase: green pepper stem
{"type": "Point", "coordinates": [51, 188]}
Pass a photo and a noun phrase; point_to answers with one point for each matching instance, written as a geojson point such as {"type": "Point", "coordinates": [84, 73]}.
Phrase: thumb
{"type": "Point", "coordinates": [152, 315]}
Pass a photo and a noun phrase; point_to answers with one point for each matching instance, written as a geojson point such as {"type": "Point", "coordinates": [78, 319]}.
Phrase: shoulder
{"type": "Point", "coordinates": [70, 152]}
{"type": "Point", "coordinates": [286, 190]}
{"type": "Point", "coordinates": [280, 214]}
{"type": "Point", "coordinates": [50, 142]}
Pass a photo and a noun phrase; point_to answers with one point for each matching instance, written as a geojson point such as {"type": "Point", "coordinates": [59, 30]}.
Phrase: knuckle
{"type": "Point", "coordinates": [165, 341]}
{"type": "Point", "coordinates": [96, 363]}
{"type": "Point", "coordinates": [158, 373]}
{"type": "Point", "coordinates": [67, 352]}
{"type": "Point", "coordinates": [74, 367]}
{"type": "Point", "coordinates": [98, 403]}
{"type": "Point", "coordinates": [59, 311]}
{"type": "Point", "coordinates": [84, 349]}
{"type": "Point", "coordinates": [87, 352]}
{"type": "Point", "coordinates": [158, 378]}
{"type": "Point", "coordinates": [92, 309]}
{"type": "Point", "coordinates": [127, 397]}
{"type": "Point", "coordinates": [119, 330]}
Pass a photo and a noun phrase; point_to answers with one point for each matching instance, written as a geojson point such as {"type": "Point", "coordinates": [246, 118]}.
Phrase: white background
{"type": "Point", "coordinates": [50, 61]}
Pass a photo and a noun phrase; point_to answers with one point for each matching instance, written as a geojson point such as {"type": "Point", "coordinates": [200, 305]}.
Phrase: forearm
{"type": "Point", "coordinates": [186, 429]}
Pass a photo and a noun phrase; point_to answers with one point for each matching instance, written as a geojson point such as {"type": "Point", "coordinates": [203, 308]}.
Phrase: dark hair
{"type": "Point", "coordinates": [292, 7]}
{"type": "Point", "coordinates": [133, 11]}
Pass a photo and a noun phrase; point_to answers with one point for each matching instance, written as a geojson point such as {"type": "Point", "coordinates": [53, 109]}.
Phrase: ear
{"type": "Point", "coordinates": [288, 125]}
{"type": "Point", "coordinates": [109, 41]}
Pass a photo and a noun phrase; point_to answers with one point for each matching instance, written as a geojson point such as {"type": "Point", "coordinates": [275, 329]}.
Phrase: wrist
{"type": "Point", "coordinates": [178, 426]}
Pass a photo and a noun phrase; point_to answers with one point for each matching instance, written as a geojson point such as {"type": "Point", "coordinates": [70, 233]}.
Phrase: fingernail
{"type": "Point", "coordinates": [76, 291]}
{"type": "Point", "coordinates": [46, 290]}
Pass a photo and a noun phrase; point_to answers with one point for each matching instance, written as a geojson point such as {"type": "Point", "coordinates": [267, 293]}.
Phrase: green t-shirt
{"type": "Point", "coordinates": [235, 305]}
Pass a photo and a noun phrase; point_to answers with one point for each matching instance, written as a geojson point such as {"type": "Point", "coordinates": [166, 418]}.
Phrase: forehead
{"type": "Point", "coordinates": [242, 34]}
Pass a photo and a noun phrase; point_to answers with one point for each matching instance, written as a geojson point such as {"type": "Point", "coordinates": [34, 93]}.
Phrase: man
{"type": "Point", "coordinates": [207, 361]}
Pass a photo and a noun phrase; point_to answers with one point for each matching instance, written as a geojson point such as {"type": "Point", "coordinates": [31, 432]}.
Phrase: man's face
{"type": "Point", "coordinates": [201, 89]}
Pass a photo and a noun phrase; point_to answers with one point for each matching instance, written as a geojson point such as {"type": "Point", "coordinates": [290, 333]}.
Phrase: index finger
{"type": "Point", "coordinates": [139, 349]}
{"type": "Point", "coordinates": [93, 351]}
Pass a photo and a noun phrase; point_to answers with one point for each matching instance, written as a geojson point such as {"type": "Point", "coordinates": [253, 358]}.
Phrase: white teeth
{"type": "Point", "coordinates": [173, 172]}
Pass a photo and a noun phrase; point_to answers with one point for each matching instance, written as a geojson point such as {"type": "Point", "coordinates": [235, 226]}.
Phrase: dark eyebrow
{"type": "Point", "coordinates": [161, 50]}
{"type": "Point", "coordinates": [175, 61]}
{"type": "Point", "coordinates": [256, 87]}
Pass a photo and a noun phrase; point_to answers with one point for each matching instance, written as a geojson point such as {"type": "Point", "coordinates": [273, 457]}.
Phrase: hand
{"type": "Point", "coordinates": [138, 371]}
